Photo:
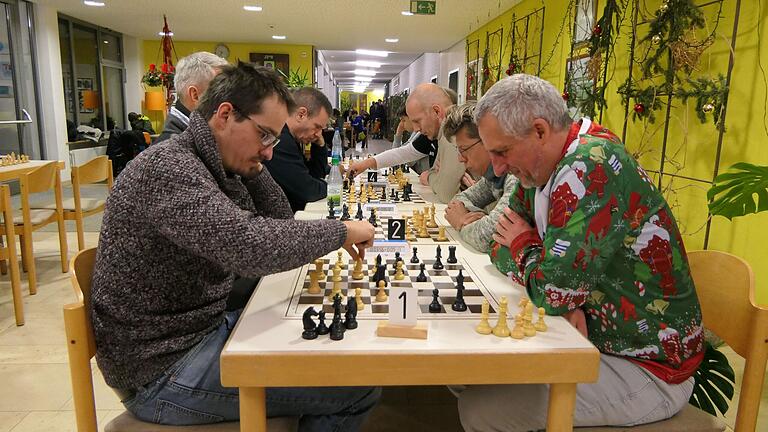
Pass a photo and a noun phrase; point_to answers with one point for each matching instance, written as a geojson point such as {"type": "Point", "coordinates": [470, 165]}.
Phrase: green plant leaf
{"type": "Point", "coordinates": [714, 380]}
{"type": "Point", "coordinates": [741, 191]}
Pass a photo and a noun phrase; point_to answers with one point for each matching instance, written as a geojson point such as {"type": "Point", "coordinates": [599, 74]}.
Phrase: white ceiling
{"type": "Point", "coordinates": [335, 25]}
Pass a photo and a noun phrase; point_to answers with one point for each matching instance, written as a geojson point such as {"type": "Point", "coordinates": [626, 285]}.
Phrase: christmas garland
{"type": "Point", "coordinates": [711, 97]}
{"type": "Point", "coordinates": [674, 20]}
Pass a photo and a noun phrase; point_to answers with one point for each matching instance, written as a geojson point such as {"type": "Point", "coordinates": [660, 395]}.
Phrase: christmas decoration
{"type": "Point", "coordinates": [708, 108]}
{"type": "Point", "coordinates": [656, 40]}
{"type": "Point", "coordinates": [687, 50]}
{"type": "Point", "coordinates": [565, 96]}
{"type": "Point", "coordinates": [682, 16]}
{"type": "Point", "coordinates": [597, 30]}
{"type": "Point", "coordinates": [664, 8]}
{"type": "Point", "coordinates": [639, 108]}
{"type": "Point", "coordinates": [711, 97]}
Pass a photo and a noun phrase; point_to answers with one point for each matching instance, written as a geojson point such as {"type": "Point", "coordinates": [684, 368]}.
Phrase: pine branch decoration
{"type": "Point", "coordinates": [711, 97]}
{"type": "Point", "coordinates": [674, 19]}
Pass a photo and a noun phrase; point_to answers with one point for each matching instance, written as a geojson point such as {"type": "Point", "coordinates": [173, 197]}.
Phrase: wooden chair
{"type": "Point", "coordinates": [41, 179]}
{"type": "Point", "coordinates": [81, 349]}
{"type": "Point", "coordinates": [725, 285]}
{"type": "Point", "coordinates": [8, 252]}
{"type": "Point", "coordinates": [96, 170]}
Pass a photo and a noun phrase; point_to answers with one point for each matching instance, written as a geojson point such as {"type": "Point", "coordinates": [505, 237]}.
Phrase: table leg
{"type": "Point", "coordinates": [562, 400]}
{"type": "Point", "coordinates": [253, 409]}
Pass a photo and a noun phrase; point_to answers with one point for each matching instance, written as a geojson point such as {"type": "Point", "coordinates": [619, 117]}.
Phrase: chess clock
{"type": "Point", "coordinates": [222, 51]}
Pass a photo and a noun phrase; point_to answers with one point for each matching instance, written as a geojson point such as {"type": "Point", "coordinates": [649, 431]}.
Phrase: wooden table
{"type": "Point", "coordinates": [266, 350]}
{"type": "Point", "coordinates": [13, 172]}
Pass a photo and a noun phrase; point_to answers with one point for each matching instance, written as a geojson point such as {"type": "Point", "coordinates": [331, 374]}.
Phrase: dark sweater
{"type": "Point", "coordinates": [176, 122]}
{"type": "Point", "coordinates": [176, 227]}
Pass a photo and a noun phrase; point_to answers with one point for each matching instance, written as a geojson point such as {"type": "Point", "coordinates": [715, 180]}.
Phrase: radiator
{"type": "Point", "coordinates": [81, 156]}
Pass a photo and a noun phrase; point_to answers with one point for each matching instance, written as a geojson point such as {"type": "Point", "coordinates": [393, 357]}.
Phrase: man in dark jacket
{"type": "Point", "coordinates": [193, 73]}
{"type": "Point", "coordinates": [304, 125]}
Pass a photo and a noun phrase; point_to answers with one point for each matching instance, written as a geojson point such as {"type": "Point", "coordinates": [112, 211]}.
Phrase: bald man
{"type": "Point", "coordinates": [426, 108]}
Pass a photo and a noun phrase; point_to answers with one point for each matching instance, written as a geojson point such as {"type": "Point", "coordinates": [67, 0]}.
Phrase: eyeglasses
{"type": "Point", "coordinates": [268, 139]}
{"type": "Point", "coordinates": [464, 151]}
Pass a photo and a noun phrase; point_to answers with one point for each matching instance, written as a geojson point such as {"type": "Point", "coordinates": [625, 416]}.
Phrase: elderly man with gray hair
{"type": "Point", "coordinates": [589, 237]}
{"type": "Point", "coordinates": [193, 74]}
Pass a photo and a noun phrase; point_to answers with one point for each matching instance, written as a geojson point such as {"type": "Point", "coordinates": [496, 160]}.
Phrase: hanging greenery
{"type": "Point", "coordinates": [711, 98]}
{"type": "Point", "coordinates": [674, 19]}
{"type": "Point", "coordinates": [645, 100]}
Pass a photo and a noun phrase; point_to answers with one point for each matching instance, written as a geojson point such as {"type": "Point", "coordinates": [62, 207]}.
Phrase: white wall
{"type": "Point", "coordinates": [420, 71]}
{"type": "Point", "coordinates": [133, 52]}
{"type": "Point", "coordinates": [325, 81]}
{"type": "Point", "coordinates": [450, 60]}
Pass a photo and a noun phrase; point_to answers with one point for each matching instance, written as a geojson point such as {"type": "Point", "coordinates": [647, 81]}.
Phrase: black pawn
{"type": "Point", "coordinates": [415, 258]}
{"type": "Point", "coordinates": [406, 195]}
{"type": "Point", "coordinates": [452, 255]}
{"type": "Point", "coordinates": [359, 215]}
{"type": "Point", "coordinates": [398, 258]}
{"type": "Point", "coordinates": [392, 194]}
{"type": "Point", "coordinates": [331, 211]}
{"type": "Point", "coordinates": [383, 193]}
{"type": "Point", "coordinates": [438, 265]}
{"type": "Point", "coordinates": [458, 304]}
{"type": "Point", "coordinates": [372, 218]}
{"type": "Point", "coordinates": [345, 213]}
{"type": "Point", "coordinates": [435, 307]}
{"type": "Point", "coordinates": [350, 321]}
{"type": "Point", "coordinates": [397, 197]}
{"type": "Point", "coordinates": [422, 277]}
{"type": "Point", "coordinates": [310, 328]}
{"type": "Point", "coordinates": [322, 329]}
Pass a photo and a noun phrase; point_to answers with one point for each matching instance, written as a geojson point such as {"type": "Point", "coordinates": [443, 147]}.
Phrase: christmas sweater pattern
{"type": "Point", "coordinates": [605, 241]}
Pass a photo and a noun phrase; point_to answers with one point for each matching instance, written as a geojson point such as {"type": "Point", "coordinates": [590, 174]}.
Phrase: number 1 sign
{"type": "Point", "coordinates": [403, 311]}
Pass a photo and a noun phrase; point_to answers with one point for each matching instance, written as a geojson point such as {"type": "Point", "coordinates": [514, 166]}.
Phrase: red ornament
{"type": "Point", "coordinates": [639, 108]}
{"type": "Point", "coordinates": [597, 31]}
{"type": "Point", "coordinates": [486, 71]}
{"type": "Point", "coordinates": [565, 95]}
{"type": "Point", "coordinates": [152, 67]}
{"type": "Point", "coordinates": [164, 68]}
{"type": "Point", "coordinates": [511, 69]}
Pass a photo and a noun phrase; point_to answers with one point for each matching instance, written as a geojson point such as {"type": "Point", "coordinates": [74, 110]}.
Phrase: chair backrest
{"type": "Point", "coordinates": [725, 286]}
{"type": "Point", "coordinates": [40, 179]}
{"type": "Point", "coordinates": [95, 170]}
{"type": "Point", "coordinates": [80, 341]}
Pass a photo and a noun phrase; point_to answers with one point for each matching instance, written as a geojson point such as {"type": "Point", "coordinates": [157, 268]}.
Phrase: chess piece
{"type": "Point", "coordinates": [357, 272]}
{"type": "Point", "coordinates": [435, 307]}
{"type": "Point", "coordinates": [528, 328]}
{"type": "Point", "coordinates": [392, 194]}
{"type": "Point", "coordinates": [372, 218]}
{"type": "Point", "coordinates": [540, 325]}
{"type": "Point", "coordinates": [319, 268]}
{"type": "Point", "coordinates": [484, 327]}
{"type": "Point", "coordinates": [378, 261]}
{"type": "Point", "coordinates": [383, 193]}
{"type": "Point", "coordinates": [397, 197]}
{"type": "Point", "coordinates": [331, 210]}
{"type": "Point", "coordinates": [502, 329]}
{"type": "Point", "coordinates": [521, 304]}
{"type": "Point", "coordinates": [415, 257]}
{"type": "Point", "coordinates": [459, 305]}
{"type": "Point", "coordinates": [350, 316]}
{"type": "Point", "coordinates": [335, 290]}
{"type": "Point", "coordinates": [337, 328]}
{"type": "Point", "coordinates": [322, 329]}
{"type": "Point", "coordinates": [441, 234]}
{"type": "Point", "coordinates": [340, 259]}
{"type": "Point", "coordinates": [422, 233]}
{"type": "Point", "coordinates": [381, 294]}
{"type": "Point", "coordinates": [359, 299]}
{"type": "Point", "coordinates": [431, 220]}
{"type": "Point", "coordinates": [451, 255]}
{"type": "Point", "coordinates": [314, 285]}
{"type": "Point", "coordinates": [517, 331]}
{"type": "Point", "coordinates": [337, 272]}
{"type": "Point", "coordinates": [359, 215]}
{"type": "Point", "coordinates": [438, 265]}
{"type": "Point", "coordinates": [422, 277]}
{"type": "Point", "coordinates": [345, 213]}
{"type": "Point", "coordinates": [399, 272]}
{"type": "Point", "coordinates": [310, 328]}
{"type": "Point", "coordinates": [406, 195]}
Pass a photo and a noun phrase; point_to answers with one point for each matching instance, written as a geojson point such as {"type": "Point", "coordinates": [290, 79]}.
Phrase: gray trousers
{"type": "Point", "coordinates": [624, 395]}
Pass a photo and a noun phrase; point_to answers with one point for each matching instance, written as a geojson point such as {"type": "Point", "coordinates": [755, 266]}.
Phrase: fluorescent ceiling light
{"type": "Point", "coordinates": [163, 34]}
{"type": "Point", "coordinates": [106, 41]}
{"type": "Point", "coordinates": [406, 13]}
{"type": "Point", "coordinates": [362, 81]}
{"type": "Point", "coordinates": [252, 8]}
{"type": "Point", "coordinates": [365, 72]}
{"type": "Point", "coordinates": [367, 63]}
{"type": "Point", "coordinates": [93, 3]}
{"type": "Point", "coordinates": [392, 40]}
{"type": "Point", "coordinates": [372, 52]}
{"type": "Point", "coordinates": [278, 37]}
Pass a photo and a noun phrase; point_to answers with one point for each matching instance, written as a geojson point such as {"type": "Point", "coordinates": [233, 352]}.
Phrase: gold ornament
{"type": "Point", "coordinates": [664, 8]}
{"type": "Point", "coordinates": [708, 108]}
{"type": "Point", "coordinates": [594, 65]}
{"type": "Point", "coordinates": [687, 50]}
{"type": "Point", "coordinates": [656, 39]}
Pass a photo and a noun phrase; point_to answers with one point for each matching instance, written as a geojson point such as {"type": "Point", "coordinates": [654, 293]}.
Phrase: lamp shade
{"type": "Point", "coordinates": [154, 101]}
{"type": "Point", "coordinates": [90, 99]}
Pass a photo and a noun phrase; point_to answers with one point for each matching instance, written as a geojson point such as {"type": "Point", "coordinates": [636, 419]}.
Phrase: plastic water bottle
{"type": "Point", "coordinates": [336, 149]}
{"type": "Point", "coordinates": [334, 180]}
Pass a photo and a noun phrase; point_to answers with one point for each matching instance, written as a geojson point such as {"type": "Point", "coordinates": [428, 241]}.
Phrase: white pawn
{"type": "Point", "coordinates": [541, 326]}
{"type": "Point", "coordinates": [381, 295]}
{"type": "Point", "coordinates": [357, 272]}
{"type": "Point", "coordinates": [399, 272]}
{"type": "Point", "coordinates": [484, 327]}
{"type": "Point", "coordinates": [502, 329]}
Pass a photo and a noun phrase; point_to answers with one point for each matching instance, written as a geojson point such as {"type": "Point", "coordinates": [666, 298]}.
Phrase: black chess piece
{"type": "Point", "coordinates": [452, 255]}
{"type": "Point", "coordinates": [415, 258]}
{"type": "Point", "coordinates": [392, 194]}
{"type": "Point", "coordinates": [378, 260]}
{"type": "Point", "coordinates": [406, 195]}
{"type": "Point", "coordinates": [322, 329]}
{"type": "Point", "coordinates": [381, 274]}
{"type": "Point", "coordinates": [310, 328]}
{"type": "Point", "coordinates": [422, 277]}
{"type": "Point", "coordinates": [359, 215]}
{"type": "Point", "coordinates": [383, 193]}
{"type": "Point", "coordinates": [337, 328]}
{"type": "Point", "coordinates": [345, 213]}
{"type": "Point", "coordinates": [398, 258]}
{"type": "Point", "coordinates": [372, 218]}
{"type": "Point", "coordinates": [435, 307]}
{"type": "Point", "coordinates": [438, 265]}
{"type": "Point", "coordinates": [397, 197]}
{"type": "Point", "coordinates": [460, 278]}
{"type": "Point", "coordinates": [346, 183]}
{"type": "Point", "coordinates": [458, 304]}
{"type": "Point", "coordinates": [331, 210]}
{"type": "Point", "coordinates": [350, 321]}
{"type": "Point", "coordinates": [386, 173]}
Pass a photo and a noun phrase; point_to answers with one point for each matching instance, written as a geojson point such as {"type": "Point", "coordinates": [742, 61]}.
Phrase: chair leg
{"type": "Point", "coordinates": [18, 304]}
{"type": "Point", "coordinates": [30, 260]}
{"type": "Point", "coordinates": [24, 258]}
{"type": "Point", "coordinates": [80, 235]}
{"type": "Point", "coordinates": [3, 263]}
{"type": "Point", "coordinates": [63, 243]}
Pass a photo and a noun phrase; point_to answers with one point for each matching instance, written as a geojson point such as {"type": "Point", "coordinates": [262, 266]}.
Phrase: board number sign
{"type": "Point", "coordinates": [403, 305]}
{"type": "Point", "coordinates": [396, 229]}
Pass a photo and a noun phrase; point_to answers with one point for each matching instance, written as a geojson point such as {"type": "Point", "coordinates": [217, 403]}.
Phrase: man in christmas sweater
{"type": "Point", "coordinates": [592, 239]}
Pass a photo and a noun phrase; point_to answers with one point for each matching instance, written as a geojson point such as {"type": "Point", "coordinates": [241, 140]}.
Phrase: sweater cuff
{"type": "Point", "coordinates": [520, 243]}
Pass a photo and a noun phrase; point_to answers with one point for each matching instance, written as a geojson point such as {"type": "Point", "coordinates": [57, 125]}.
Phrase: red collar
{"type": "Point", "coordinates": [573, 132]}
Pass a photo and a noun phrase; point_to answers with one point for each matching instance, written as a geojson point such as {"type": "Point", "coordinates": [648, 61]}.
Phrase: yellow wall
{"type": "Point", "coordinates": [692, 144]}
{"type": "Point", "coordinates": [300, 56]}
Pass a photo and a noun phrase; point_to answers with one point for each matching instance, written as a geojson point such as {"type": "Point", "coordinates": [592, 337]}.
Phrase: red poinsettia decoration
{"type": "Point", "coordinates": [159, 78]}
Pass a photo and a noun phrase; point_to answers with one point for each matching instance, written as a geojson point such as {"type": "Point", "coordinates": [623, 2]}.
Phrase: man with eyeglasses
{"type": "Point", "coordinates": [304, 125]}
{"type": "Point", "coordinates": [475, 211]}
{"type": "Point", "coordinates": [183, 218]}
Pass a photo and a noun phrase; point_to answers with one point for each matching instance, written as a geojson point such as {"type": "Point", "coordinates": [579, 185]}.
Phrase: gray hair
{"type": "Point", "coordinates": [459, 117]}
{"type": "Point", "coordinates": [516, 101]}
{"type": "Point", "coordinates": [196, 69]}
{"type": "Point", "coordinates": [313, 100]}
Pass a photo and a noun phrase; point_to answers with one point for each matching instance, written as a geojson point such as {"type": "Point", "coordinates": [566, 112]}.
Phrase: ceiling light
{"type": "Point", "coordinates": [93, 3]}
{"type": "Point", "coordinates": [106, 41]}
{"type": "Point", "coordinates": [278, 37]}
{"type": "Point", "coordinates": [406, 13]}
{"type": "Point", "coordinates": [250, 8]}
{"type": "Point", "coordinates": [392, 40]}
{"type": "Point", "coordinates": [372, 52]}
{"type": "Point", "coordinates": [163, 34]}
{"type": "Point", "coordinates": [367, 72]}
{"type": "Point", "coordinates": [367, 63]}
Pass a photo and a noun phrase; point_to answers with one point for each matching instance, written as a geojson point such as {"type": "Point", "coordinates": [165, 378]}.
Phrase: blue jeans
{"type": "Point", "coordinates": [190, 392]}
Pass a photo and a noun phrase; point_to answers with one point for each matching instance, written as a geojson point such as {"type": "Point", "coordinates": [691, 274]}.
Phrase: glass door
{"type": "Point", "coordinates": [19, 126]}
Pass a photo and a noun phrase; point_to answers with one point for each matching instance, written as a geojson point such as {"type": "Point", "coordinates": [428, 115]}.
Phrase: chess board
{"type": "Point", "coordinates": [444, 280]}
{"type": "Point", "coordinates": [376, 198]}
{"type": "Point", "coordinates": [381, 234]}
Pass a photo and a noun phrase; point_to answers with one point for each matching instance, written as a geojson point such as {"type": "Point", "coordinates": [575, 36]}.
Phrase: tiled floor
{"type": "Point", "coordinates": [35, 392]}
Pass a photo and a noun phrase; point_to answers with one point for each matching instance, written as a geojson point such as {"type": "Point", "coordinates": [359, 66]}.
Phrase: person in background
{"type": "Point", "coordinates": [193, 73]}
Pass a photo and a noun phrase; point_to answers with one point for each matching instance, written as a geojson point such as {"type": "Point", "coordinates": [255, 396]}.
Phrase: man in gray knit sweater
{"type": "Point", "coordinates": [182, 219]}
